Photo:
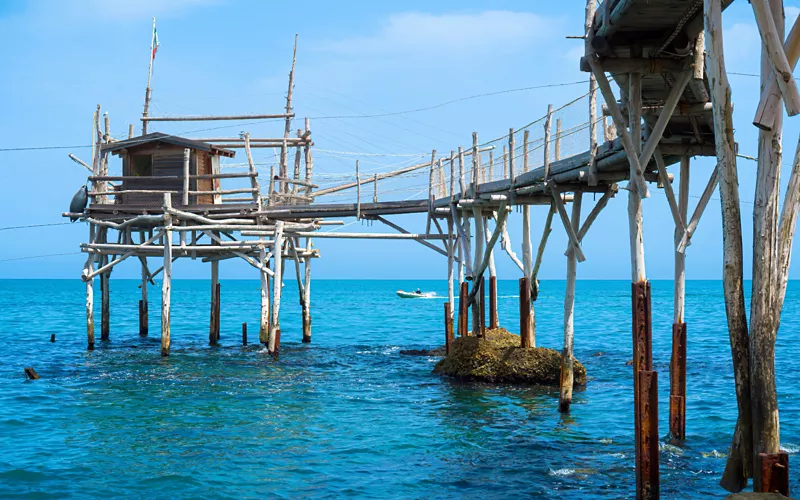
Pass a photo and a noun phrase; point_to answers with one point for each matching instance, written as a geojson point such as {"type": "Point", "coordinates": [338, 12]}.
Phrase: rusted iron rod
{"type": "Point", "coordinates": [524, 312]}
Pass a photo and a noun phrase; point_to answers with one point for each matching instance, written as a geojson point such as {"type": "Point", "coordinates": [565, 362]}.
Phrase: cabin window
{"type": "Point", "coordinates": [142, 165]}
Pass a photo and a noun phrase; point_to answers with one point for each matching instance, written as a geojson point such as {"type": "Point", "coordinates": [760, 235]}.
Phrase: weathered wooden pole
{"type": "Point", "coordinates": [477, 215]}
{"type": "Point", "coordinates": [263, 324]}
{"type": "Point", "coordinates": [214, 322]}
{"type": "Point", "coordinates": [143, 309]}
{"type": "Point", "coordinates": [647, 480]}
{"type": "Point", "coordinates": [450, 245]}
{"type": "Point", "coordinates": [244, 333]}
{"type": "Point", "coordinates": [448, 328]}
{"type": "Point", "coordinates": [166, 283]}
{"type": "Point", "coordinates": [529, 333]}
{"type": "Point", "coordinates": [105, 294]}
{"type": "Point", "coordinates": [275, 327]}
{"type": "Point", "coordinates": [567, 364]}
{"type": "Point", "coordinates": [307, 296]}
{"type": "Point", "coordinates": [740, 460]}
{"type": "Point", "coordinates": [766, 300]}
{"type": "Point", "coordinates": [90, 292]}
{"type": "Point", "coordinates": [677, 369]}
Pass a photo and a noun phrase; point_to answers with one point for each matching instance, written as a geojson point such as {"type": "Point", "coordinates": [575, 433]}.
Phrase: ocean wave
{"type": "Point", "coordinates": [562, 472]}
{"type": "Point", "coordinates": [713, 454]}
{"type": "Point", "coordinates": [790, 448]}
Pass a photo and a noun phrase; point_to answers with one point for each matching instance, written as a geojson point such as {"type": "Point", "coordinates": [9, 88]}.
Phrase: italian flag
{"type": "Point", "coordinates": [154, 42]}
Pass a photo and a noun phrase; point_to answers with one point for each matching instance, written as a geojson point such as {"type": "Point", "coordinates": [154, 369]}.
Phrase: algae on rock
{"type": "Point", "coordinates": [498, 357]}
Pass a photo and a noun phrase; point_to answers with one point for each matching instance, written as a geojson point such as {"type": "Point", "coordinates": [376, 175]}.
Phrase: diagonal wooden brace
{"type": "Point", "coordinates": [663, 119]}
{"type": "Point", "coordinates": [698, 211]}
{"type": "Point", "coordinates": [673, 204]}
{"type": "Point", "coordinates": [627, 142]}
{"type": "Point", "coordinates": [773, 48]}
{"type": "Point", "coordinates": [562, 212]}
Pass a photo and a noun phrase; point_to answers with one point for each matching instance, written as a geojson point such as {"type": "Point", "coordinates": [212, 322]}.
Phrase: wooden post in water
{"type": "Point", "coordinates": [105, 295]}
{"type": "Point", "coordinates": [448, 327]}
{"type": "Point", "coordinates": [567, 364]}
{"type": "Point", "coordinates": [529, 332]}
{"type": "Point", "coordinates": [677, 368]}
{"type": "Point", "coordinates": [482, 292]}
{"type": "Point", "coordinates": [275, 327]}
{"type": "Point", "coordinates": [90, 292]}
{"type": "Point", "coordinates": [774, 477]}
{"type": "Point", "coordinates": [645, 398]}
{"type": "Point", "coordinates": [263, 329]}
{"type": "Point", "coordinates": [214, 322]}
{"type": "Point", "coordinates": [307, 296]}
{"type": "Point", "coordinates": [166, 284]}
{"type": "Point", "coordinates": [740, 460]}
{"type": "Point", "coordinates": [143, 308]}
{"type": "Point", "coordinates": [244, 333]}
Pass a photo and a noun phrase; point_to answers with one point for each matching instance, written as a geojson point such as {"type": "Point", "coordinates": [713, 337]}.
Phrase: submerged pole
{"type": "Point", "coordinates": [677, 368]}
{"type": "Point", "coordinates": [214, 321]}
{"type": "Point", "coordinates": [166, 284]}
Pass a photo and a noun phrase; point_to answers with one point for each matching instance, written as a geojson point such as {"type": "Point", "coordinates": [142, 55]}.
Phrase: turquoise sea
{"type": "Point", "coordinates": [348, 415]}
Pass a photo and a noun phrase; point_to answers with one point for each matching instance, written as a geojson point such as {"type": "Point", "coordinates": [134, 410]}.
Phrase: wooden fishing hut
{"type": "Point", "coordinates": [171, 199]}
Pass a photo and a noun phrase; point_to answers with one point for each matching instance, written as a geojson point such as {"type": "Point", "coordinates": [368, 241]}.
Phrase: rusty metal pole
{"type": "Point", "coordinates": [463, 311]}
{"type": "Point", "coordinates": [217, 305]}
{"type": "Point", "coordinates": [774, 472]}
{"type": "Point", "coordinates": [677, 378]}
{"type": "Point", "coordinates": [448, 328]}
{"type": "Point", "coordinates": [524, 312]}
{"type": "Point", "coordinates": [493, 320]}
{"type": "Point", "coordinates": [645, 395]}
{"type": "Point", "coordinates": [648, 436]}
{"type": "Point", "coordinates": [482, 292]}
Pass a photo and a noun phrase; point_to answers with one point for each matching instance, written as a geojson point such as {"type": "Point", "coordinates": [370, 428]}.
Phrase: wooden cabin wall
{"type": "Point", "coordinates": [204, 168]}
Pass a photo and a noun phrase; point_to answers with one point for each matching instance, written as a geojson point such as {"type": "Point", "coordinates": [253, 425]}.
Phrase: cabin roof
{"type": "Point", "coordinates": [168, 139]}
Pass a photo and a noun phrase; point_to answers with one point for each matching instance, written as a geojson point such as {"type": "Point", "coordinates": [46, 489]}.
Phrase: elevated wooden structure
{"type": "Point", "coordinates": [667, 110]}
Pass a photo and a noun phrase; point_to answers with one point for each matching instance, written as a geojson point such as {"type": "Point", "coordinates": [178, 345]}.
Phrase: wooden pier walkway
{"type": "Point", "coordinates": [666, 109]}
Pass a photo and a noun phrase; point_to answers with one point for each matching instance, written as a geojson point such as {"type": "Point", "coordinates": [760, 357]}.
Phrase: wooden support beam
{"type": "Point", "coordinates": [663, 119]}
{"type": "Point", "coordinates": [773, 49]}
{"type": "Point", "coordinates": [307, 297]}
{"type": "Point", "coordinates": [275, 326]}
{"type": "Point", "coordinates": [711, 186]}
{"type": "Point", "coordinates": [404, 231]}
{"type": "Point", "coordinates": [90, 293]}
{"type": "Point", "coordinates": [215, 305]}
{"type": "Point", "coordinates": [562, 212]}
{"type": "Point", "coordinates": [680, 222]}
{"type": "Point", "coordinates": [567, 363]}
{"type": "Point", "coordinates": [628, 139]}
{"type": "Point", "coordinates": [166, 283]}
{"type": "Point", "coordinates": [770, 103]}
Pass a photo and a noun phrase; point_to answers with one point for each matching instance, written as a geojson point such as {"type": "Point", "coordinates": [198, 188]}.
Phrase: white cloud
{"type": "Point", "coordinates": [460, 35]}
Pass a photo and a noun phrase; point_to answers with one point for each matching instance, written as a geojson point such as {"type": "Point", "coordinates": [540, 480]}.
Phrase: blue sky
{"type": "Point", "coordinates": [354, 58]}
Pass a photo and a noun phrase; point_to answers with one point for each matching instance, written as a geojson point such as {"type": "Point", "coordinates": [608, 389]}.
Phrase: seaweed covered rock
{"type": "Point", "coordinates": [498, 358]}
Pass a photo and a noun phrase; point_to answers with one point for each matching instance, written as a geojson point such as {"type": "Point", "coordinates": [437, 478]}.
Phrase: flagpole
{"type": "Point", "coordinates": [149, 77]}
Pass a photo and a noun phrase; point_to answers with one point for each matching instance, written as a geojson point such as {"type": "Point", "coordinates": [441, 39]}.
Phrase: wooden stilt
{"type": "Point", "coordinates": [244, 333]}
{"type": "Point", "coordinates": [166, 284]}
{"type": "Point", "coordinates": [567, 365]}
{"type": "Point", "coordinates": [527, 250]}
{"type": "Point", "coordinates": [105, 295]}
{"type": "Point", "coordinates": [493, 320]}
{"type": "Point", "coordinates": [463, 311]}
{"type": "Point", "coordinates": [307, 297]}
{"type": "Point", "coordinates": [524, 313]}
{"type": "Point", "coordinates": [90, 294]}
{"type": "Point", "coordinates": [740, 460]}
{"type": "Point", "coordinates": [143, 309]}
{"type": "Point", "coordinates": [448, 327]}
{"type": "Point", "coordinates": [214, 321]}
{"type": "Point", "coordinates": [275, 327]}
{"type": "Point", "coordinates": [263, 330]}
{"type": "Point", "coordinates": [677, 369]}
{"type": "Point", "coordinates": [648, 435]}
